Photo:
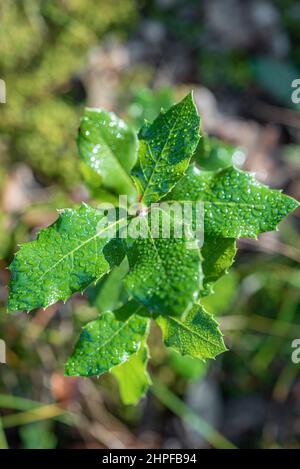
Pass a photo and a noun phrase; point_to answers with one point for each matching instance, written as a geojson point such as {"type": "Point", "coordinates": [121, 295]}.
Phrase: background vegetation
{"type": "Point", "coordinates": [134, 58]}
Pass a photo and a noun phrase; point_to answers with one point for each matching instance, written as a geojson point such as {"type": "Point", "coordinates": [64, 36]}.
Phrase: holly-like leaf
{"type": "Point", "coordinates": [133, 377]}
{"type": "Point", "coordinates": [235, 203]}
{"type": "Point", "coordinates": [110, 293]}
{"type": "Point", "coordinates": [65, 258]}
{"type": "Point", "coordinates": [108, 341]}
{"type": "Point", "coordinates": [197, 335]}
{"type": "Point", "coordinates": [165, 150]}
{"type": "Point", "coordinates": [189, 368]}
{"type": "Point", "coordinates": [218, 255]}
{"type": "Point", "coordinates": [165, 272]}
{"type": "Point", "coordinates": [107, 147]}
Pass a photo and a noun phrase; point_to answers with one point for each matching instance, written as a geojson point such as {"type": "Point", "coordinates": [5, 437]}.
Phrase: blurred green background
{"type": "Point", "coordinates": [135, 57]}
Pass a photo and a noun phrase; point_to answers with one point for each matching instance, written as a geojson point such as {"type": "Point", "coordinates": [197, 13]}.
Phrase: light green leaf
{"type": "Point", "coordinates": [197, 335]}
{"type": "Point", "coordinates": [108, 341]}
{"type": "Point", "coordinates": [218, 255]}
{"type": "Point", "coordinates": [165, 150]}
{"type": "Point", "coordinates": [189, 368]}
{"type": "Point", "coordinates": [108, 147]}
{"type": "Point", "coordinates": [110, 293]}
{"type": "Point", "coordinates": [165, 273]}
{"type": "Point", "coordinates": [212, 154]}
{"type": "Point", "coordinates": [65, 258]}
{"type": "Point", "coordinates": [225, 291]}
{"type": "Point", "coordinates": [133, 377]}
{"type": "Point", "coordinates": [235, 203]}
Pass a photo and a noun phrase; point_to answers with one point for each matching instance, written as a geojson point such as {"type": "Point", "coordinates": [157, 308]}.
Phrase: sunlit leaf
{"type": "Point", "coordinates": [235, 203]}
{"type": "Point", "coordinates": [65, 258]}
{"type": "Point", "coordinates": [165, 150]}
{"type": "Point", "coordinates": [197, 334]}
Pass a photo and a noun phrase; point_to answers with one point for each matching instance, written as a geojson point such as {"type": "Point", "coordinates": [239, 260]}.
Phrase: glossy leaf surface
{"type": "Point", "coordinates": [108, 341]}
{"type": "Point", "coordinates": [165, 149]}
{"type": "Point", "coordinates": [235, 203]}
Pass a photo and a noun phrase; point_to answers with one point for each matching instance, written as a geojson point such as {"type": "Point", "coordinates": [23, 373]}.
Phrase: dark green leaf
{"type": "Point", "coordinates": [133, 377]}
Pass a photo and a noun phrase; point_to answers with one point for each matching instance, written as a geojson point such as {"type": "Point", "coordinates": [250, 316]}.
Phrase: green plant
{"type": "Point", "coordinates": [144, 278]}
{"type": "Point", "coordinates": [44, 48]}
